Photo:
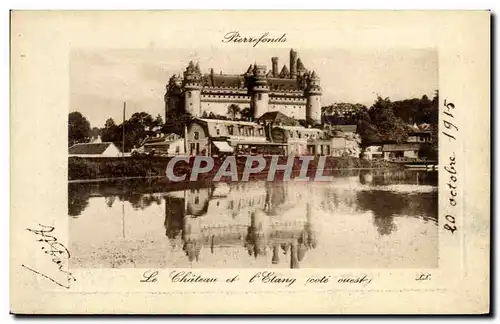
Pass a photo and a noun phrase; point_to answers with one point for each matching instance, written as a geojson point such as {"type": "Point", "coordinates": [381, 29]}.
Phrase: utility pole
{"type": "Point", "coordinates": [123, 129]}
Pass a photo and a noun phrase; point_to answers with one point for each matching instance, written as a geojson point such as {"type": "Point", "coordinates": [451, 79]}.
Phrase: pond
{"type": "Point", "coordinates": [362, 219]}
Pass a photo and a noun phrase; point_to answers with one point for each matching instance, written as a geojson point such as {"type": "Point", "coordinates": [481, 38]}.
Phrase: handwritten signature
{"type": "Point", "coordinates": [56, 250]}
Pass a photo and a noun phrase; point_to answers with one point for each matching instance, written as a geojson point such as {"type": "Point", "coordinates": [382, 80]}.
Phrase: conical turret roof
{"type": "Point", "coordinates": [284, 72]}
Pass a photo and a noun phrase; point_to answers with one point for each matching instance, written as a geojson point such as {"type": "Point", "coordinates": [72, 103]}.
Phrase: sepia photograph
{"type": "Point", "coordinates": [250, 162]}
{"type": "Point", "coordinates": [372, 116]}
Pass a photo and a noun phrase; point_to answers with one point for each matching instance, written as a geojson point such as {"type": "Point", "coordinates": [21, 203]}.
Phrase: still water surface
{"type": "Point", "coordinates": [363, 219]}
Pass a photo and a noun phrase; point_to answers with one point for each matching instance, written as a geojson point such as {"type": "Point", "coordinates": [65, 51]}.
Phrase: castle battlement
{"type": "Point", "coordinates": [294, 91]}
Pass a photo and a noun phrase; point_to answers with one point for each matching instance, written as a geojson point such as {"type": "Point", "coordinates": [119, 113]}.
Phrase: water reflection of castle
{"type": "Point", "coordinates": [263, 217]}
{"type": "Point", "coordinates": [256, 222]}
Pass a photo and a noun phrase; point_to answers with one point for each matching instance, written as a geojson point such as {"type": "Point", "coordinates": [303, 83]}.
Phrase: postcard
{"type": "Point", "coordinates": [250, 162]}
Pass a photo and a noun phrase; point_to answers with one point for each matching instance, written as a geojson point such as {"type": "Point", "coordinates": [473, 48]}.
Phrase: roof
{"type": "Point", "coordinates": [89, 148]}
{"type": "Point", "coordinates": [227, 122]}
{"type": "Point", "coordinates": [400, 147]}
{"type": "Point", "coordinates": [223, 146]}
{"type": "Point", "coordinates": [282, 84]}
{"type": "Point", "coordinates": [345, 128]}
{"type": "Point", "coordinates": [163, 138]}
{"type": "Point", "coordinates": [164, 143]}
{"type": "Point", "coordinates": [420, 129]}
{"type": "Point", "coordinates": [276, 116]}
{"type": "Point", "coordinates": [300, 128]}
{"type": "Point", "coordinates": [238, 81]}
{"type": "Point", "coordinates": [224, 80]}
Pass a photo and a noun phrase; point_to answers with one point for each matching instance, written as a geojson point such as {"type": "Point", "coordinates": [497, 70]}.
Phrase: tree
{"type": "Point", "coordinates": [137, 128]}
{"type": "Point", "coordinates": [96, 131]}
{"type": "Point", "coordinates": [158, 121]}
{"type": "Point", "coordinates": [233, 110]}
{"type": "Point", "coordinates": [175, 123]}
{"type": "Point", "coordinates": [416, 111]}
{"type": "Point", "coordinates": [78, 129]}
{"type": "Point", "coordinates": [434, 146]}
{"type": "Point", "coordinates": [246, 113]}
{"type": "Point", "coordinates": [111, 132]}
{"type": "Point", "coordinates": [178, 123]}
{"type": "Point", "coordinates": [366, 129]}
{"type": "Point", "coordinates": [389, 127]}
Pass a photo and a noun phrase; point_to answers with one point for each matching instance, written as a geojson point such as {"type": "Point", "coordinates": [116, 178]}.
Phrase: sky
{"type": "Point", "coordinates": [101, 80]}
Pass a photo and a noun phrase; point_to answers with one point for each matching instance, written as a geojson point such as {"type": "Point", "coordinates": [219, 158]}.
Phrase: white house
{"type": "Point", "coordinates": [171, 144]}
{"type": "Point", "coordinates": [106, 149]}
{"type": "Point", "coordinates": [373, 152]}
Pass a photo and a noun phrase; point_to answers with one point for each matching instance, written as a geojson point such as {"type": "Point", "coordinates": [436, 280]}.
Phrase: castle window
{"type": "Point", "coordinates": [196, 135]}
{"type": "Point", "coordinates": [240, 130]}
{"type": "Point", "coordinates": [259, 97]}
{"type": "Point", "coordinates": [189, 94]}
{"type": "Point", "coordinates": [217, 131]}
{"type": "Point", "coordinates": [230, 129]}
{"type": "Point", "coordinates": [260, 131]}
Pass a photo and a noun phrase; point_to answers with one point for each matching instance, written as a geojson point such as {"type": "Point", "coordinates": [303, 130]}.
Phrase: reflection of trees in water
{"type": "Point", "coordinates": [139, 192]}
{"type": "Point", "coordinates": [423, 205]}
{"type": "Point", "coordinates": [110, 201]}
{"type": "Point", "coordinates": [142, 201]}
{"type": "Point", "coordinates": [386, 204]}
{"type": "Point", "coordinates": [391, 177]}
{"type": "Point", "coordinates": [135, 200]}
{"type": "Point", "coordinates": [344, 173]}
{"type": "Point", "coordinates": [174, 215]}
{"type": "Point", "coordinates": [78, 199]}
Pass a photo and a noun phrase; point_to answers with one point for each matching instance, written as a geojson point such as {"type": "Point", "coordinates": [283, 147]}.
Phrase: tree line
{"type": "Point", "coordinates": [384, 120]}
{"type": "Point", "coordinates": [137, 128]}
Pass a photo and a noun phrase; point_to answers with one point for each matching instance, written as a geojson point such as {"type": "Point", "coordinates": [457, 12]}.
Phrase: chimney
{"type": "Point", "coordinates": [275, 67]}
{"type": "Point", "coordinates": [293, 63]}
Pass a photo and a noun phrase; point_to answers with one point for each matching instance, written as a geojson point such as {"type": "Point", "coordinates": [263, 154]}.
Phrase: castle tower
{"type": "Point", "coordinates": [172, 95]}
{"type": "Point", "coordinates": [276, 253]}
{"type": "Point", "coordinates": [293, 63]}
{"type": "Point", "coordinates": [260, 91]}
{"type": "Point", "coordinates": [313, 94]}
{"type": "Point", "coordinates": [294, 261]}
{"type": "Point", "coordinates": [274, 60]}
{"type": "Point", "coordinates": [192, 89]}
{"type": "Point", "coordinates": [257, 237]}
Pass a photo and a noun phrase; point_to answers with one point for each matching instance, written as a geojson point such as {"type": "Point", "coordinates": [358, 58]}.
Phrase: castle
{"type": "Point", "coordinates": [295, 92]}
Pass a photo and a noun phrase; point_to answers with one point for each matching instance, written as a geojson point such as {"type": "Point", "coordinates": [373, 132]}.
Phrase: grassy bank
{"type": "Point", "coordinates": [144, 167]}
